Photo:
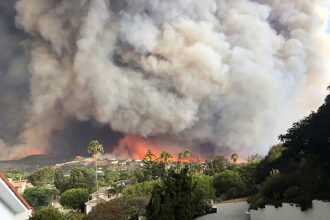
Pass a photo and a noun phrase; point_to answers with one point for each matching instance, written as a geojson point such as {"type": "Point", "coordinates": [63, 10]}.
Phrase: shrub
{"type": "Point", "coordinates": [119, 208]}
{"type": "Point", "coordinates": [47, 213]}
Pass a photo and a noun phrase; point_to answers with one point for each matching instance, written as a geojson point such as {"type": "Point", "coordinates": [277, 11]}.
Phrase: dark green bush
{"type": "Point", "coordinates": [47, 213]}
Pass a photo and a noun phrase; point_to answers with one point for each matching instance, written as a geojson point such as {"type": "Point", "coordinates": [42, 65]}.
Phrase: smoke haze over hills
{"type": "Point", "coordinates": [214, 75]}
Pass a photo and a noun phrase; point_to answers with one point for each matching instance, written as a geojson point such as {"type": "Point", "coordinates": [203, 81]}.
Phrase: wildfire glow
{"type": "Point", "coordinates": [136, 147]}
{"type": "Point", "coordinates": [31, 152]}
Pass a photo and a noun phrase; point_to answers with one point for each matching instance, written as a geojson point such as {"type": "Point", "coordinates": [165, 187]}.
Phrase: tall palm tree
{"type": "Point", "coordinates": [234, 157]}
{"type": "Point", "coordinates": [187, 154]}
{"type": "Point", "coordinates": [180, 160]}
{"type": "Point", "coordinates": [165, 155]}
{"type": "Point", "coordinates": [95, 148]}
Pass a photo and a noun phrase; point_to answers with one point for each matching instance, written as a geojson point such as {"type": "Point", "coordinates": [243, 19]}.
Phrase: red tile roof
{"type": "Point", "coordinates": [4, 178]}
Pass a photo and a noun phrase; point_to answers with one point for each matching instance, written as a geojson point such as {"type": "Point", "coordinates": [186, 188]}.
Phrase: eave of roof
{"type": "Point", "coordinates": [12, 188]}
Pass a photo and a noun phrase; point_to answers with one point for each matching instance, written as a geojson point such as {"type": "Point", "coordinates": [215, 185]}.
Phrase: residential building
{"type": "Point", "coordinates": [12, 205]}
{"type": "Point", "coordinates": [20, 185]}
{"type": "Point", "coordinates": [100, 196]}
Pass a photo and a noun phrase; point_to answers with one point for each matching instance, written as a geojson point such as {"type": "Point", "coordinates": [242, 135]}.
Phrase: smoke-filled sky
{"type": "Point", "coordinates": [217, 76]}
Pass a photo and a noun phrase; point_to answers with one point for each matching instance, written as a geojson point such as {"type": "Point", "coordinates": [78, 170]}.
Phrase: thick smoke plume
{"type": "Point", "coordinates": [213, 75]}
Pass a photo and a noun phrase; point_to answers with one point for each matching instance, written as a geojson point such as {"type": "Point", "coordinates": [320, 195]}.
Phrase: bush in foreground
{"type": "Point", "coordinates": [117, 209]}
{"type": "Point", "coordinates": [47, 213]}
{"type": "Point", "coordinates": [174, 199]}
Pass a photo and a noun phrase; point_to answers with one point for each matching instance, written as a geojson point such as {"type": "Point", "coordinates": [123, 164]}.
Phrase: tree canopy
{"type": "Point", "coordinates": [174, 199]}
{"type": "Point", "coordinates": [74, 199]}
{"type": "Point", "coordinates": [311, 135]}
{"type": "Point", "coordinates": [42, 176]}
{"type": "Point", "coordinates": [39, 196]}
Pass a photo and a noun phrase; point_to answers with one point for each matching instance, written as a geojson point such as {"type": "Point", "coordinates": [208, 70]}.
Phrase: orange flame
{"type": "Point", "coordinates": [135, 147]}
{"type": "Point", "coordinates": [31, 152]}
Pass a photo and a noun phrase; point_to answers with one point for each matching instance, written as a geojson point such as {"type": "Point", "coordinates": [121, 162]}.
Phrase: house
{"type": "Point", "coordinates": [12, 205]}
{"type": "Point", "coordinates": [20, 185]}
{"type": "Point", "coordinates": [100, 196]}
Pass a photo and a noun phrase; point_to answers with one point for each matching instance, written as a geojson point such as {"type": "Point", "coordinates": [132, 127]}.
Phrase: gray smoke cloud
{"type": "Point", "coordinates": [213, 75]}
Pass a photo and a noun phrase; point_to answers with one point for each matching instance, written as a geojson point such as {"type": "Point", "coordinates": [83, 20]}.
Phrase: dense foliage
{"type": "Point", "coordinates": [82, 178]}
{"type": "Point", "coordinates": [74, 199]}
{"type": "Point", "coordinates": [15, 174]}
{"type": "Point", "coordinates": [174, 199]}
{"type": "Point", "coordinates": [47, 213]}
{"type": "Point", "coordinates": [229, 184]}
{"type": "Point", "coordinates": [39, 196]}
{"type": "Point", "coordinates": [298, 170]}
{"type": "Point", "coordinates": [142, 189]}
{"type": "Point", "coordinates": [42, 176]}
{"type": "Point", "coordinates": [60, 181]}
{"type": "Point", "coordinates": [310, 136]}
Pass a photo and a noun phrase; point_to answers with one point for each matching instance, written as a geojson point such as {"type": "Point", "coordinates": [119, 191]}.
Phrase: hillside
{"type": "Point", "coordinates": [30, 163]}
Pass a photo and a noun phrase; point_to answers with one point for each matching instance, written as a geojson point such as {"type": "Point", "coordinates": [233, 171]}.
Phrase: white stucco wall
{"type": "Point", "coordinates": [5, 212]}
{"type": "Point", "coordinates": [319, 211]}
{"type": "Point", "coordinates": [11, 208]}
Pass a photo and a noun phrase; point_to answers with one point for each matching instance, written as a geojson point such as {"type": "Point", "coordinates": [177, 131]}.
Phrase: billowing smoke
{"type": "Point", "coordinates": [214, 75]}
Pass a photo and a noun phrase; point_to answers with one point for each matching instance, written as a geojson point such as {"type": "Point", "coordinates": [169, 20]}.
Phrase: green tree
{"type": "Point", "coordinates": [15, 174]}
{"type": "Point", "coordinates": [74, 199]}
{"type": "Point", "coordinates": [203, 192]}
{"type": "Point", "coordinates": [95, 148]}
{"type": "Point", "coordinates": [109, 177]}
{"type": "Point", "coordinates": [39, 196]}
{"type": "Point", "coordinates": [82, 178]}
{"type": "Point", "coordinates": [141, 189]}
{"type": "Point", "coordinates": [165, 156]}
{"type": "Point", "coordinates": [310, 136]}
{"type": "Point", "coordinates": [180, 157]}
{"type": "Point", "coordinates": [116, 189]}
{"type": "Point", "coordinates": [219, 163]}
{"type": "Point", "coordinates": [174, 198]}
{"type": "Point", "coordinates": [60, 181]}
{"type": "Point", "coordinates": [47, 213]}
{"type": "Point", "coordinates": [187, 154]}
{"type": "Point", "coordinates": [234, 157]}
{"type": "Point", "coordinates": [42, 176]}
{"type": "Point", "coordinates": [229, 184]}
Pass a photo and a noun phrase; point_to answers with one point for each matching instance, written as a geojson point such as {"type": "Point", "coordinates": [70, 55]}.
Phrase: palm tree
{"type": "Point", "coordinates": [94, 148]}
{"type": "Point", "coordinates": [165, 155]}
{"type": "Point", "coordinates": [187, 153]}
{"type": "Point", "coordinates": [180, 160]}
{"type": "Point", "coordinates": [234, 157]}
